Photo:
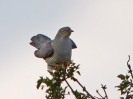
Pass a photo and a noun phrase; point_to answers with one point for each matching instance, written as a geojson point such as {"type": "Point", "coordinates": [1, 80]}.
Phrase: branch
{"type": "Point", "coordinates": [128, 61]}
{"type": "Point", "coordinates": [69, 86]}
{"type": "Point", "coordinates": [128, 91]}
{"type": "Point", "coordinates": [130, 71]}
{"type": "Point", "coordinates": [99, 94]}
{"type": "Point", "coordinates": [104, 87]}
{"type": "Point", "coordinates": [67, 82]}
{"type": "Point", "coordinates": [84, 89]}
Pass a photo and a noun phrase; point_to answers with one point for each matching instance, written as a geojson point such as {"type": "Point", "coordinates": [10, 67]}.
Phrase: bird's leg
{"type": "Point", "coordinates": [57, 66]}
{"type": "Point", "coordinates": [67, 64]}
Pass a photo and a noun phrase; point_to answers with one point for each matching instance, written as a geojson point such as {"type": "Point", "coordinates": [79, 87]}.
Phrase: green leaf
{"type": "Point", "coordinates": [123, 92]}
{"type": "Point", "coordinates": [126, 83]}
{"type": "Point", "coordinates": [39, 82]}
{"type": "Point", "coordinates": [118, 86]}
{"type": "Point", "coordinates": [127, 76]}
{"type": "Point", "coordinates": [121, 97]}
{"type": "Point", "coordinates": [78, 73]}
{"type": "Point", "coordinates": [121, 76]}
{"type": "Point", "coordinates": [65, 88]}
{"type": "Point", "coordinates": [51, 73]}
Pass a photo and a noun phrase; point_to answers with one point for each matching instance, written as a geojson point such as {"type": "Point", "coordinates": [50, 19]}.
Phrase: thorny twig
{"type": "Point", "coordinates": [128, 65]}
{"type": "Point", "coordinates": [99, 94]}
{"type": "Point", "coordinates": [70, 87]}
{"type": "Point", "coordinates": [67, 81]}
{"type": "Point", "coordinates": [130, 71]}
{"type": "Point", "coordinates": [104, 87]}
{"type": "Point", "coordinates": [84, 89]}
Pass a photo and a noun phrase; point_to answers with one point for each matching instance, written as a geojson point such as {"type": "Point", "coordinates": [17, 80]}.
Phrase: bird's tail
{"type": "Point", "coordinates": [39, 40]}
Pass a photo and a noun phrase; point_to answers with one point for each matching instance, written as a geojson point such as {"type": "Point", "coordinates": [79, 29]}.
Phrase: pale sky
{"type": "Point", "coordinates": [103, 32]}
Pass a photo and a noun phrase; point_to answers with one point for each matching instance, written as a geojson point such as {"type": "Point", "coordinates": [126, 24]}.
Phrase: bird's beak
{"type": "Point", "coordinates": [72, 31]}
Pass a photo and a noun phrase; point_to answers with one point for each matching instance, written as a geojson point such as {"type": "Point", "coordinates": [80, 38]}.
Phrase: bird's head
{"type": "Point", "coordinates": [64, 32]}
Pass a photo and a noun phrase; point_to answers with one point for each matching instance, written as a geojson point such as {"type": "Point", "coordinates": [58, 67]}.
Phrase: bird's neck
{"type": "Point", "coordinates": [59, 36]}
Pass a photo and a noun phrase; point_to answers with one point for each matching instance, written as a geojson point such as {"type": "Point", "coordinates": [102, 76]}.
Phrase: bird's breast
{"type": "Point", "coordinates": [62, 52]}
{"type": "Point", "coordinates": [62, 47]}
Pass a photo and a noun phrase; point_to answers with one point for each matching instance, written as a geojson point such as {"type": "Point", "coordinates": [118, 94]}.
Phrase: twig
{"type": "Point", "coordinates": [104, 87]}
{"type": "Point", "coordinates": [128, 91]}
{"type": "Point", "coordinates": [70, 87]}
{"type": "Point", "coordinates": [84, 89]}
{"type": "Point", "coordinates": [130, 71]}
{"type": "Point", "coordinates": [128, 60]}
{"type": "Point", "coordinates": [67, 81]}
{"type": "Point", "coordinates": [99, 94]}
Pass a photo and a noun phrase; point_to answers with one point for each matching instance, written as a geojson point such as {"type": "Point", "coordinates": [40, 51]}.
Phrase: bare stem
{"type": "Point", "coordinates": [84, 89]}
{"type": "Point", "coordinates": [99, 94]}
{"type": "Point", "coordinates": [67, 82]}
{"type": "Point", "coordinates": [130, 70]}
{"type": "Point", "coordinates": [104, 87]}
{"type": "Point", "coordinates": [70, 87]}
{"type": "Point", "coordinates": [128, 91]}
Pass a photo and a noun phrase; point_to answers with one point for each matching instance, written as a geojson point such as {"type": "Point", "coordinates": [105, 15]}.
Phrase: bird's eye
{"type": "Point", "coordinates": [62, 31]}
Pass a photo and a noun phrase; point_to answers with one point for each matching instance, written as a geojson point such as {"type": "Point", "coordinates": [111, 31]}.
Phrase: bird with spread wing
{"type": "Point", "coordinates": [55, 52]}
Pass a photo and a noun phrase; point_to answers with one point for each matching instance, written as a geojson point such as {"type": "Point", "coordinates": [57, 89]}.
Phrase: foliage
{"type": "Point", "coordinates": [62, 74]}
{"type": "Point", "coordinates": [126, 85]}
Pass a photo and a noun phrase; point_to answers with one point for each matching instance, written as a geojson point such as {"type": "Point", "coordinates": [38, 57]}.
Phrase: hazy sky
{"type": "Point", "coordinates": [103, 34]}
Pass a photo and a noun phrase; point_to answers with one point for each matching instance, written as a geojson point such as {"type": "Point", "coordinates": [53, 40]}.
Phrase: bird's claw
{"type": "Point", "coordinates": [67, 64]}
{"type": "Point", "coordinates": [57, 67]}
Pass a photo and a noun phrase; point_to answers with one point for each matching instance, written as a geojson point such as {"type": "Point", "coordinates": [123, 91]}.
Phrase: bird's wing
{"type": "Point", "coordinates": [73, 44]}
{"type": "Point", "coordinates": [43, 44]}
